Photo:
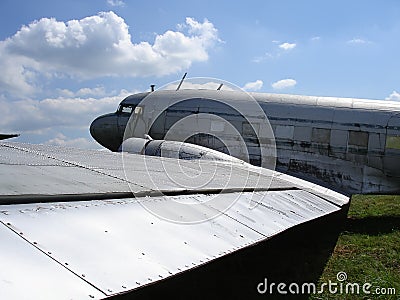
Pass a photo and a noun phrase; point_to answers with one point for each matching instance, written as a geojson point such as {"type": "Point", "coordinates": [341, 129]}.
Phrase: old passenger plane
{"type": "Point", "coordinates": [349, 145]}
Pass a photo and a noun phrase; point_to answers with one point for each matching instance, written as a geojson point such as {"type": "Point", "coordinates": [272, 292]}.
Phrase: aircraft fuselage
{"type": "Point", "coordinates": [349, 145]}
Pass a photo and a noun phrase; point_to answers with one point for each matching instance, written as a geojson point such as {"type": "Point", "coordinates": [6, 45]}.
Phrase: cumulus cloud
{"type": "Point", "coordinates": [394, 96]}
{"type": "Point", "coordinates": [30, 115]}
{"type": "Point", "coordinates": [287, 46]}
{"type": "Point", "coordinates": [253, 86]}
{"type": "Point", "coordinates": [97, 91]}
{"type": "Point", "coordinates": [60, 121]}
{"type": "Point", "coordinates": [283, 84]}
{"type": "Point", "coordinates": [98, 46]}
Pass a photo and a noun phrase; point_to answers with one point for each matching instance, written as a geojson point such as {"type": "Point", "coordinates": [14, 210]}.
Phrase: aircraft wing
{"type": "Point", "coordinates": [84, 224]}
{"type": "Point", "coordinates": [4, 136]}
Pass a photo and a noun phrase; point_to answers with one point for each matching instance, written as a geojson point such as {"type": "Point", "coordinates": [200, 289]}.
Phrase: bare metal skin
{"type": "Point", "coordinates": [349, 145]}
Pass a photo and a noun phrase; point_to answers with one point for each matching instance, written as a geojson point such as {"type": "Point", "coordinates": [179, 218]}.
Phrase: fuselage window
{"type": "Point", "coordinates": [284, 132]}
{"type": "Point", "coordinates": [393, 142]}
{"type": "Point", "coordinates": [248, 130]}
{"type": "Point", "coordinates": [321, 135]}
{"type": "Point", "coordinates": [358, 138]}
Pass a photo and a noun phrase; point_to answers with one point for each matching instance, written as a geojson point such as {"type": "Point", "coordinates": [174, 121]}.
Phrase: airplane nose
{"type": "Point", "coordinates": [104, 130]}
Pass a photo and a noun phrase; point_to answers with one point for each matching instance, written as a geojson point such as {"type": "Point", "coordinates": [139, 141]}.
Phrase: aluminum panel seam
{"type": "Point", "coordinates": [321, 213]}
{"type": "Point", "coordinates": [73, 164]}
{"type": "Point", "coordinates": [129, 235]}
{"type": "Point", "coordinates": [58, 269]}
{"type": "Point", "coordinates": [9, 226]}
{"type": "Point", "coordinates": [29, 211]}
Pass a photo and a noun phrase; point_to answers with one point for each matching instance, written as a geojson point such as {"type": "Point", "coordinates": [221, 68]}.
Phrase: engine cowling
{"type": "Point", "coordinates": [174, 149]}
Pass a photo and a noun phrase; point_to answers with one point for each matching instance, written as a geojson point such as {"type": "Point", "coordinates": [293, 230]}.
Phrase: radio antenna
{"type": "Point", "coordinates": [180, 83]}
{"type": "Point", "coordinates": [220, 86]}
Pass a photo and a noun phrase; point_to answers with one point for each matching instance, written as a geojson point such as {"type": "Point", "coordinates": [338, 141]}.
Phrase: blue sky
{"type": "Point", "coordinates": [65, 62]}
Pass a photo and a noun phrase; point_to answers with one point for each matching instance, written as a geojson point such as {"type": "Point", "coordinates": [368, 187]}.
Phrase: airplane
{"type": "Point", "coordinates": [162, 217]}
{"type": "Point", "coordinates": [349, 145]}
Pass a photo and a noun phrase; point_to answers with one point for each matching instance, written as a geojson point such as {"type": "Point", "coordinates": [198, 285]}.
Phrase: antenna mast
{"type": "Point", "coordinates": [180, 83]}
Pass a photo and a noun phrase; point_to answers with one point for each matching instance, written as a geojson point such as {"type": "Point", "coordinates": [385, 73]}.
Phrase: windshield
{"type": "Point", "coordinates": [125, 109]}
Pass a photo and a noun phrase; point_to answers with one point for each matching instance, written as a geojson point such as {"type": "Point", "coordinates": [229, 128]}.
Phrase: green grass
{"type": "Point", "coordinates": [368, 249]}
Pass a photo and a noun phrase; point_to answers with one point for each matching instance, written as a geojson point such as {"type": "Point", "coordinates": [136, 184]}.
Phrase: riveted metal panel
{"type": "Point", "coordinates": [87, 171]}
{"type": "Point", "coordinates": [274, 211]}
{"type": "Point", "coordinates": [117, 245]}
{"type": "Point", "coordinates": [27, 273]}
{"type": "Point", "coordinates": [121, 246]}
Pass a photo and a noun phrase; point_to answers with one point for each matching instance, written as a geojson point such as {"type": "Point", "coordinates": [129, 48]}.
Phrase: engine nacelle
{"type": "Point", "coordinates": [174, 149]}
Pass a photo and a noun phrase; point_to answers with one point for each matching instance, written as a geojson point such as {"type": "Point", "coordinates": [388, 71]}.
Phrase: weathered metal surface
{"type": "Point", "coordinates": [116, 245]}
{"type": "Point", "coordinates": [39, 170]}
{"type": "Point", "coordinates": [28, 273]}
{"type": "Point", "coordinates": [51, 170]}
{"type": "Point", "coordinates": [90, 249]}
{"type": "Point", "coordinates": [350, 145]}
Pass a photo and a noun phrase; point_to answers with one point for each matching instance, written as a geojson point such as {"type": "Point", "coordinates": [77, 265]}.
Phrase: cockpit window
{"type": "Point", "coordinates": [125, 109]}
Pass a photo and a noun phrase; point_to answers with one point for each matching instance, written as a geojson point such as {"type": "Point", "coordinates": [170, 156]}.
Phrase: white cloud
{"type": "Point", "coordinates": [16, 77]}
{"type": "Point", "coordinates": [276, 52]}
{"type": "Point", "coordinates": [394, 96]}
{"type": "Point", "coordinates": [315, 38]}
{"type": "Point", "coordinates": [97, 46]}
{"type": "Point", "coordinates": [253, 86]}
{"type": "Point", "coordinates": [68, 112]}
{"type": "Point", "coordinates": [116, 3]}
{"type": "Point", "coordinates": [259, 59]}
{"type": "Point", "coordinates": [358, 41]}
{"type": "Point", "coordinates": [287, 46]}
{"type": "Point", "coordinates": [97, 91]}
{"type": "Point", "coordinates": [283, 84]}
{"type": "Point", "coordinates": [62, 140]}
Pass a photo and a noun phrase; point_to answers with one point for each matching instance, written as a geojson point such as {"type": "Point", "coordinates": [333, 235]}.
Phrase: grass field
{"type": "Point", "coordinates": [368, 250]}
